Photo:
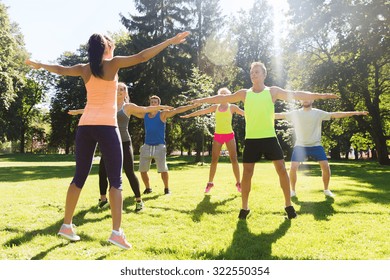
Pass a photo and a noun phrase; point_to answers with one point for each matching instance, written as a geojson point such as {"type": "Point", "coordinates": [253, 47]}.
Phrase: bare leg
{"type": "Point", "coordinates": [231, 146]}
{"type": "Point", "coordinates": [116, 202]}
{"type": "Point", "coordinates": [165, 178]}
{"type": "Point", "coordinates": [293, 174]}
{"type": "Point", "coordinates": [283, 180]}
{"type": "Point", "coordinates": [325, 173]}
{"type": "Point", "coordinates": [72, 198]}
{"type": "Point", "coordinates": [214, 159]}
{"type": "Point", "coordinates": [145, 179]}
{"type": "Point", "coordinates": [246, 183]}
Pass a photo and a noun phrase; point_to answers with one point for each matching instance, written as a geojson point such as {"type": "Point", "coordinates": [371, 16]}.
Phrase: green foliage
{"type": "Point", "coordinates": [197, 130]}
{"type": "Point", "coordinates": [69, 94]}
{"type": "Point", "coordinates": [12, 56]}
{"type": "Point", "coordinates": [346, 47]}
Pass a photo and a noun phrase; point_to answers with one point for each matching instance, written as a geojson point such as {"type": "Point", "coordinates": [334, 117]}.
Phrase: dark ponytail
{"type": "Point", "coordinates": [96, 47]}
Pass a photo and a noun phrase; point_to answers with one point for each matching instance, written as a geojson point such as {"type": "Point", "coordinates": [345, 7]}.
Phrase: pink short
{"type": "Point", "coordinates": [223, 138]}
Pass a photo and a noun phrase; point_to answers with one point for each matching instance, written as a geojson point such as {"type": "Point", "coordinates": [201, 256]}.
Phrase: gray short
{"type": "Point", "coordinates": [158, 153]}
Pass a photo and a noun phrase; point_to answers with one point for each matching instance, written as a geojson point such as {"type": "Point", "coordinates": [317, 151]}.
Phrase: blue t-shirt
{"type": "Point", "coordinates": [154, 130]}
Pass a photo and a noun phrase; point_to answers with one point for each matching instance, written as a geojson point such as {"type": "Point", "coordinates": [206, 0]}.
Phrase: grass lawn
{"type": "Point", "coordinates": [189, 225]}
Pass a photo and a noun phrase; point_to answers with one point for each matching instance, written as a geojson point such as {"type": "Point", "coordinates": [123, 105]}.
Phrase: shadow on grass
{"type": "Point", "coordinates": [29, 173]}
{"type": "Point", "coordinates": [363, 172]}
{"type": "Point", "coordinates": [28, 236]}
{"type": "Point", "coordinates": [248, 246]}
{"type": "Point", "coordinates": [36, 157]}
{"type": "Point", "coordinates": [321, 210]}
{"type": "Point", "coordinates": [207, 207]}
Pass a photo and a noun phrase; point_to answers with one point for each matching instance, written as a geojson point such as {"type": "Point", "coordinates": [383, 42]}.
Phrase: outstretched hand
{"type": "Point", "coordinates": [331, 96]}
{"type": "Point", "coordinates": [180, 38]}
{"type": "Point", "coordinates": [33, 64]}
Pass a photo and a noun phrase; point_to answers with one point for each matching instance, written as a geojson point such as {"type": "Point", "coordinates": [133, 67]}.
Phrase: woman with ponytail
{"type": "Point", "coordinates": [98, 124]}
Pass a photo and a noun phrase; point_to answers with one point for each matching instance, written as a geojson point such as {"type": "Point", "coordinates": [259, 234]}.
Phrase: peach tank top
{"type": "Point", "coordinates": [101, 103]}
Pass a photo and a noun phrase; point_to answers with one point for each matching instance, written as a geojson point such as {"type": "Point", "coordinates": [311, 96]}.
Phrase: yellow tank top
{"type": "Point", "coordinates": [259, 115]}
{"type": "Point", "coordinates": [223, 121]}
{"type": "Point", "coordinates": [101, 103]}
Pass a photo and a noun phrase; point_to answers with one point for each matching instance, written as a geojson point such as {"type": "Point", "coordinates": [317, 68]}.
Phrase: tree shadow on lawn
{"type": "Point", "coordinates": [362, 172]}
{"type": "Point", "coordinates": [36, 157]}
{"type": "Point", "coordinates": [321, 210]}
{"type": "Point", "coordinates": [78, 219]}
{"type": "Point", "coordinates": [248, 246]}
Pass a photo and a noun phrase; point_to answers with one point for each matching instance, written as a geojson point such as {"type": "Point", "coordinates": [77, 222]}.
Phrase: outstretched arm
{"type": "Point", "coordinates": [133, 109]}
{"type": "Point", "coordinates": [218, 99]}
{"type": "Point", "coordinates": [76, 112]}
{"type": "Point", "coordinates": [178, 110]}
{"type": "Point", "coordinates": [145, 55]}
{"type": "Point", "coordinates": [75, 70]}
{"type": "Point", "coordinates": [237, 110]}
{"type": "Point", "coordinates": [282, 94]}
{"type": "Point", "coordinates": [205, 111]}
{"type": "Point", "coordinates": [338, 115]}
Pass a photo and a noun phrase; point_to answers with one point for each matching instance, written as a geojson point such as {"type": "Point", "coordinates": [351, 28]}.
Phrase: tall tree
{"type": "Point", "coordinates": [70, 93]}
{"type": "Point", "coordinates": [23, 111]}
{"type": "Point", "coordinates": [12, 56]}
{"type": "Point", "coordinates": [164, 74]}
{"type": "Point", "coordinates": [346, 43]}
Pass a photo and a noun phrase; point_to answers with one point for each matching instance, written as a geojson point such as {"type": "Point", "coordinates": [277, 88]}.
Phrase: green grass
{"type": "Point", "coordinates": [189, 225]}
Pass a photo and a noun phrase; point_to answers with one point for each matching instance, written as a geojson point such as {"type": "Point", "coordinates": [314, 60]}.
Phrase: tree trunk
{"type": "Point", "coordinates": [381, 151]}
{"type": "Point", "coordinates": [22, 138]}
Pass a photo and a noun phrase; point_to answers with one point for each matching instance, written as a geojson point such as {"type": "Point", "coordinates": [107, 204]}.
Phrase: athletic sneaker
{"type": "Point", "coordinates": [148, 190]}
{"type": "Point", "coordinates": [292, 193]}
{"type": "Point", "coordinates": [139, 205]}
{"type": "Point", "coordinates": [103, 203]}
{"type": "Point", "coordinates": [291, 214]}
{"type": "Point", "coordinates": [329, 193]}
{"type": "Point", "coordinates": [68, 233]}
{"type": "Point", "coordinates": [238, 186]}
{"type": "Point", "coordinates": [208, 187]}
{"type": "Point", "coordinates": [244, 214]}
{"type": "Point", "coordinates": [167, 191]}
{"type": "Point", "coordinates": [119, 240]}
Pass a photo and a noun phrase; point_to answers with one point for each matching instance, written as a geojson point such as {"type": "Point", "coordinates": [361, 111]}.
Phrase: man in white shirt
{"type": "Point", "coordinates": [307, 123]}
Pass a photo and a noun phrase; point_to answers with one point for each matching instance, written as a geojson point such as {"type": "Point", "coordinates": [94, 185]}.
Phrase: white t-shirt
{"type": "Point", "coordinates": [307, 125]}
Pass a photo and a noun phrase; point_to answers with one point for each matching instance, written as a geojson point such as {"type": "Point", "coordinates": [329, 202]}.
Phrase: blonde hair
{"type": "Point", "coordinates": [127, 97]}
{"type": "Point", "coordinates": [224, 89]}
{"type": "Point", "coordinates": [261, 65]}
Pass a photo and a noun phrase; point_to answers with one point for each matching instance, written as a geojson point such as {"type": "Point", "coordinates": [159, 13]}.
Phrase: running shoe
{"type": "Point", "coordinates": [139, 205]}
{"type": "Point", "coordinates": [291, 214]}
{"type": "Point", "coordinates": [103, 203]}
{"type": "Point", "coordinates": [208, 187]}
{"type": "Point", "coordinates": [329, 193]}
{"type": "Point", "coordinates": [238, 186]}
{"type": "Point", "coordinates": [148, 190]}
{"type": "Point", "coordinates": [68, 233]}
{"type": "Point", "coordinates": [244, 214]}
{"type": "Point", "coordinates": [119, 240]}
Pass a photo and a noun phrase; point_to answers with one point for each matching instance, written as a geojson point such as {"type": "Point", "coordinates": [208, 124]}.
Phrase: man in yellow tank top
{"type": "Point", "coordinates": [260, 138]}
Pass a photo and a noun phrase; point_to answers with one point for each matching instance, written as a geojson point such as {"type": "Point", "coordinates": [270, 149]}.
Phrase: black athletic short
{"type": "Point", "coordinates": [255, 148]}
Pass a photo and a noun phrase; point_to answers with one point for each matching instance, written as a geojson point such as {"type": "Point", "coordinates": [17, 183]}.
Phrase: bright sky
{"type": "Point", "coordinates": [51, 27]}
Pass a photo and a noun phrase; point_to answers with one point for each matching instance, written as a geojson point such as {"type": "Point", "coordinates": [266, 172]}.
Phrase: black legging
{"type": "Point", "coordinates": [128, 167]}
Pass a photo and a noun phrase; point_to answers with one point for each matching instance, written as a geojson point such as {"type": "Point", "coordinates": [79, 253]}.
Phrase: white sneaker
{"type": "Point", "coordinates": [292, 194]}
{"type": "Point", "coordinates": [329, 193]}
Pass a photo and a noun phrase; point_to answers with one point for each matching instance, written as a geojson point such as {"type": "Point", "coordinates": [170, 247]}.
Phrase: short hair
{"type": "Point", "coordinates": [155, 97]}
{"type": "Point", "coordinates": [224, 89]}
{"type": "Point", "coordinates": [261, 65]}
